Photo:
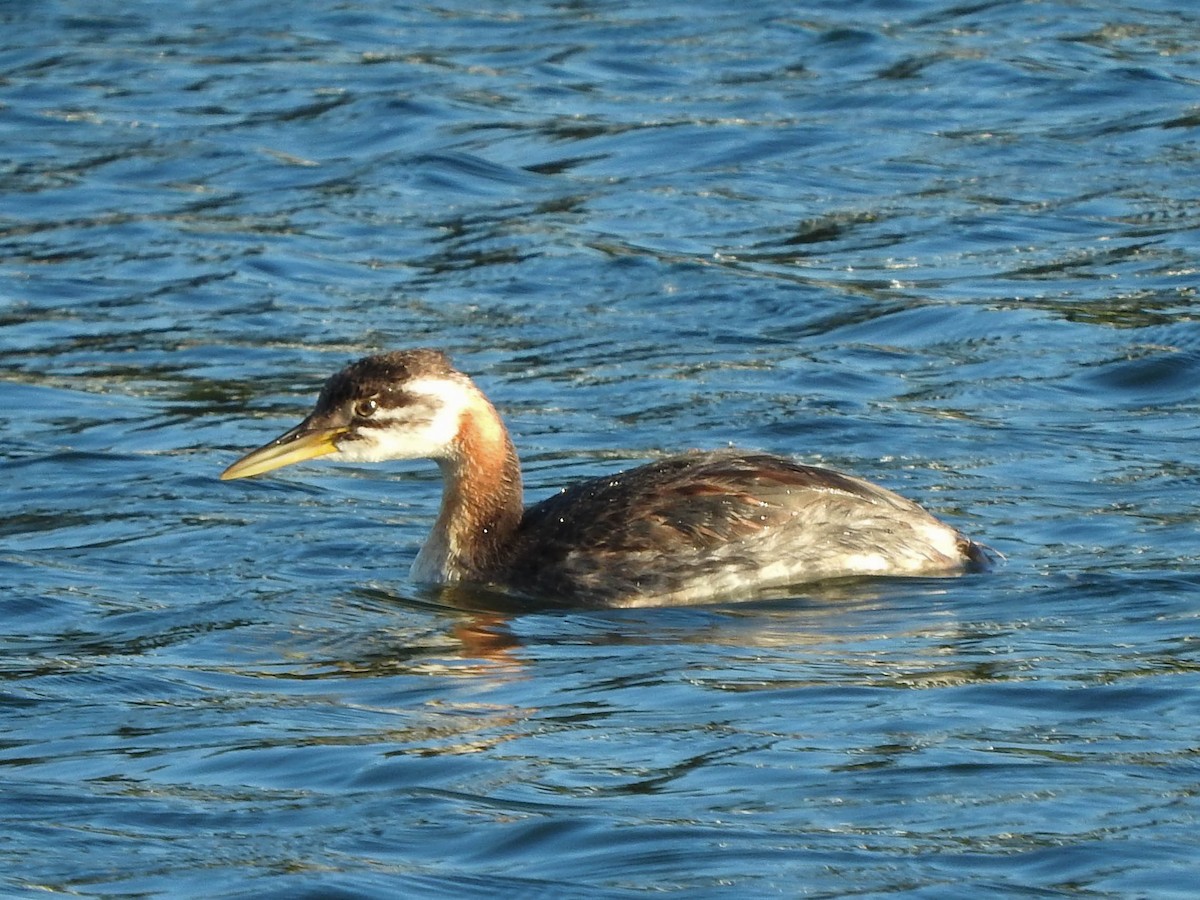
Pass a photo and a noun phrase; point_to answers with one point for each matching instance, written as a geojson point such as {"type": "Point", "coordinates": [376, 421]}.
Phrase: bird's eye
{"type": "Point", "coordinates": [364, 409]}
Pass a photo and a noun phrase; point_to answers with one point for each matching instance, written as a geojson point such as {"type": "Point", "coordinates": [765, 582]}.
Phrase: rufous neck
{"type": "Point", "coordinates": [482, 500]}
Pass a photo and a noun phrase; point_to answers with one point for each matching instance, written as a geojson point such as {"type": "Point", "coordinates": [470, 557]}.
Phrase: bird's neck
{"type": "Point", "coordinates": [482, 501]}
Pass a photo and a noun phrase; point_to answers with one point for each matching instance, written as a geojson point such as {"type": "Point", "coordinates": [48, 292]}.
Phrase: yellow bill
{"type": "Point", "coordinates": [301, 443]}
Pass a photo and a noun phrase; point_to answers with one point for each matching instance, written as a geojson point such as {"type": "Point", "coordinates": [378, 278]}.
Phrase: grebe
{"type": "Point", "coordinates": [686, 529]}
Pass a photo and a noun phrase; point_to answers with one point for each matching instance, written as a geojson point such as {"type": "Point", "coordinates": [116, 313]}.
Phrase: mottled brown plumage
{"type": "Point", "coordinates": [657, 530]}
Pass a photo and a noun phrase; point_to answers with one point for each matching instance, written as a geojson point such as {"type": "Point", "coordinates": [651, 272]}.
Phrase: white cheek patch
{"type": "Point", "coordinates": [427, 431]}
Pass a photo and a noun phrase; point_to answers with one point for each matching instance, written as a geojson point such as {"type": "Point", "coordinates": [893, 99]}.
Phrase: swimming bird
{"type": "Point", "coordinates": [691, 528]}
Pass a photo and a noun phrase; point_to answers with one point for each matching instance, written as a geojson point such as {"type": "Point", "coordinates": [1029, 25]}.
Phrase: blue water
{"type": "Point", "coordinates": [949, 247]}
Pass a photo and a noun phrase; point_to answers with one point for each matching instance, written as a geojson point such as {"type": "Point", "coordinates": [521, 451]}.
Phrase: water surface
{"type": "Point", "coordinates": [951, 248]}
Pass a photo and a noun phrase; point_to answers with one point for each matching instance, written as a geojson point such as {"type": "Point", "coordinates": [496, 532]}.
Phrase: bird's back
{"type": "Point", "coordinates": [702, 526]}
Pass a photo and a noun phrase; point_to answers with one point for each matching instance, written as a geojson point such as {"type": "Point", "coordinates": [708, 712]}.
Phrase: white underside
{"type": "Point", "coordinates": [430, 565]}
{"type": "Point", "coordinates": [933, 550]}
